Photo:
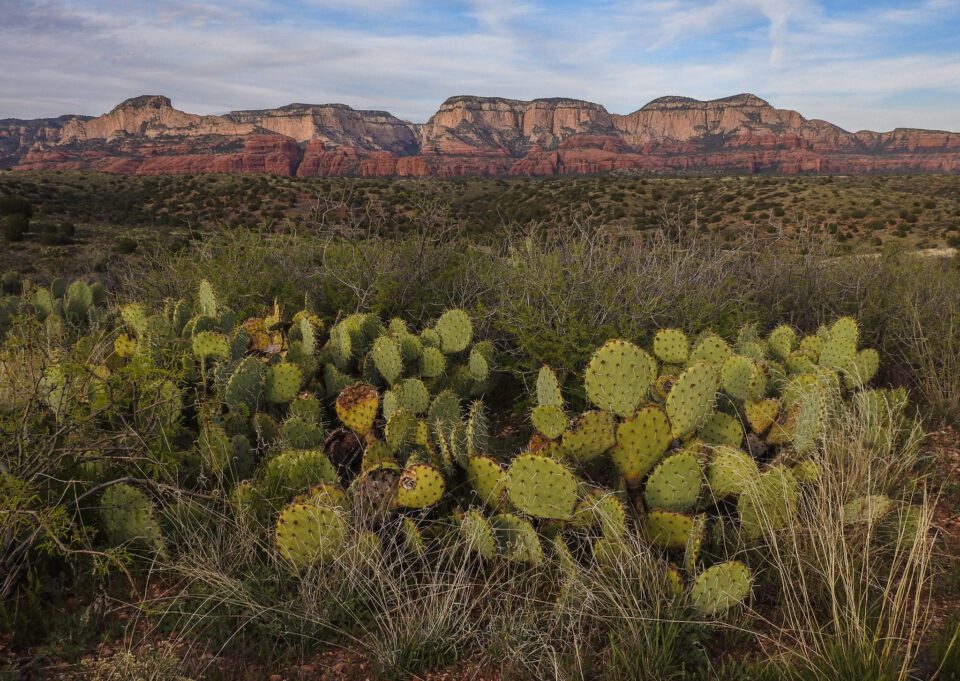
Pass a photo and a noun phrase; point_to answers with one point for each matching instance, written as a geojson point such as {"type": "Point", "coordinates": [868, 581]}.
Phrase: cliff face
{"type": "Point", "coordinates": [469, 136]}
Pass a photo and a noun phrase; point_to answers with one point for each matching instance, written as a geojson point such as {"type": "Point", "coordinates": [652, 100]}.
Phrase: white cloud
{"type": "Point", "coordinates": [84, 57]}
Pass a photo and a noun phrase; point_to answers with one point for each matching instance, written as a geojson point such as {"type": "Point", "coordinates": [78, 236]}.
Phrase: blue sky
{"type": "Point", "coordinates": [875, 65]}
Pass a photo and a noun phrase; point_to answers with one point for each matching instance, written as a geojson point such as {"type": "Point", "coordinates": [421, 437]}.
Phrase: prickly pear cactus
{"type": "Point", "coordinates": [357, 407]}
{"type": "Point", "coordinates": [455, 330]}
{"type": "Point", "coordinates": [549, 420]}
{"type": "Point", "coordinates": [387, 358]}
{"type": "Point", "coordinates": [421, 485]}
{"type": "Point", "coordinates": [769, 503]}
{"type": "Point", "coordinates": [282, 382]}
{"type": "Point", "coordinates": [730, 471]}
{"type": "Point", "coordinates": [671, 346]}
{"type": "Point", "coordinates": [128, 516]}
{"type": "Point", "coordinates": [211, 345]}
{"type": "Point", "coordinates": [691, 399]}
{"type": "Point", "coordinates": [668, 529]}
{"type": "Point", "coordinates": [308, 534]}
{"type": "Point", "coordinates": [478, 534]}
{"type": "Point", "coordinates": [487, 479]}
{"type": "Point", "coordinates": [541, 487]}
{"type": "Point", "coordinates": [642, 440]}
{"type": "Point", "coordinates": [516, 539]}
{"type": "Point", "coordinates": [674, 484]}
{"type": "Point", "coordinates": [618, 377]}
{"type": "Point", "coordinates": [710, 349]}
{"type": "Point", "coordinates": [548, 389]}
{"type": "Point", "coordinates": [720, 587]}
{"type": "Point", "coordinates": [590, 435]}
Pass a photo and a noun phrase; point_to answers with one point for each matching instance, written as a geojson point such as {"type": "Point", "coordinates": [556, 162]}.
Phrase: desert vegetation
{"type": "Point", "coordinates": [484, 429]}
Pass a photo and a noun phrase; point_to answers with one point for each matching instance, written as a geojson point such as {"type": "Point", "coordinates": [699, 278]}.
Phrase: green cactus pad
{"type": "Point", "coordinates": [674, 484]}
{"type": "Point", "coordinates": [782, 341]}
{"type": "Point", "coordinates": [710, 349]}
{"type": "Point", "coordinates": [399, 429]}
{"type": "Point", "coordinates": [325, 494]}
{"type": "Point", "coordinates": [549, 420]}
{"type": "Point", "coordinates": [308, 535]}
{"type": "Point", "coordinates": [840, 345]}
{"type": "Point", "coordinates": [862, 368]}
{"type": "Point", "coordinates": [868, 509]}
{"type": "Point", "coordinates": [668, 529]}
{"type": "Point", "coordinates": [207, 299]}
{"type": "Point", "coordinates": [604, 510]}
{"type": "Point", "coordinates": [771, 503]}
{"type": "Point", "coordinates": [299, 433]}
{"type": "Point", "coordinates": [357, 407]}
{"type": "Point", "coordinates": [420, 485]}
{"type": "Point", "coordinates": [430, 338]}
{"type": "Point", "coordinates": [743, 378]}
{"type": "Point", "coordinates": [386, 357]}
{"type": "Point", "coordinates": [341, 347]}
{"type": "Point", "coordinates": [642, 440]}
{"type": "Point", "coordinates": [215, 450]}
{"type": "Point", "coordinates": [412, 537]}
{"type": "Point", "coordinates": [245, 385]}
{"type": "Point", "coordinates": [375, 453]}
{"type": "Point", "coordinates": [128, 516]}
{"type": "Point", "coordinates": [516, 539]}
{"type": "Point", "coordinates": [294, 470]}
{"type": "Point", "coordinates": [487, 478]}
{"type": "Point", "coordinates": [800, 363]}
{"type": "Point", "coordinates": [671, 346]}
{"type": "Point", "coordinates": [806, 471]}
{"type": "Point", "coordinates": [811, 346]}
{"type": "Point", "coordinates": [478, 534]}
{"type": "Point", "coordinates": [618, 377]}
{"type": "Point", "coordinates": [478, 365]}
{"type": "Point", "coordinates": [265, 428]}
{"type": "Point", "coordinates": [691, 399]}
{"type": "Point", "coordinates": [722, 429]}
{"type": "Point", "coordinates": [432, 362]}
{"type": "Point", "coordinates": [211, 345]}
{"type": "Point", "coordinates": [444, 409]}
{"type": "Point", "coordinates": [691, 552]}
{"type": "Point", "coordinates": [413, 395]}
{"type": "Point", "coordinates": [590, 435]}
{"type": "Point", "coordinates": [548, 389]}
{"type": "Point", "coordinates": [730, 471]}
{"type": "Point", "coordinates": [541, 487]}
{"type": "Point", "coordinates": [283, 382]}
{"type": "Point", "coordinates": [784, 428]}
{"type": "Point", "coordinates": [455, 330]}
{"type": "Point", "coordinates": [720, 587]}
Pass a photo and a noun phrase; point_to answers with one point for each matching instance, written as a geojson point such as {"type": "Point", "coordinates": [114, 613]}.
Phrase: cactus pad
{"type": "Point", "coordinates": [357, 407]}
{"type": "Point", "coordinates": [618, 377]}
{"type": "Point", "coordinates": [487, 479]}
{"type": "Point", "coordinates": [590, 435]}
{"type": "Point", "coordinates": [478, 534]}
{"type": "Point", "coordinates": [642, 441]}
{"type": "Point", "coordinates": [691, 552]}
{"type": "Point", "coordinates": [862, 368]}
{"type": "Point", "coordinates": [720, 587]}
{"type": "Point", "coordinates": [414, 395]}
{"type": "Point", "coordinates": [541, 487]}
{"type": "Point", "coordinates": [420, 485]}
{"type": "Point", "coordinates": [691, 399]}
{"type": "Point", "coordinates": [128, 515]}
{"type": "Point", "coordinates": [710, 349]}
{"type": "Point", "coordinates": [294, 470]}
{"type": "Point", "coordinates": [671, 346]}
{"type": "Point", "coordinates": [516, 539]}
{"type": "Point", "coordinates": [283, 382]}
{"type": "Point", "coordinates": [386, 357]}
{"type": "Point", "coordinates": [548, 389]}
{"type": "Point", "coordinates": [770, 503]}
{"type": "Point", "coordinates": [668, 529]}
{"type": "Point", "coordinates": [245, 385]}
{"type": "Point", "coordinates": [674, 484]}
{"type": "Point", "coordinates": [722, 429]}
{"type": "Point", "coordinates": [308, 534]}
{"type": "Point", "coordinates": [302, 434]}
{"type": "Point", "coordinates": [867, 509]}
{"type": "Point", "coordinates": [412, 537]}
{"type": "Point", "coordinates": [455, 330]}
{"type": "Point", "coordinates": [731, 470]}
{"type": "Point", "coordinates": [782, 341]}
{"type": "Point", "coordinates": [743, 378]}
{"type": "Point", "coordinates": [549, 420]}
{"type": "Point", "coordinates": [432, 362]}
{"type": "Point", "coordinates": [211, 345]}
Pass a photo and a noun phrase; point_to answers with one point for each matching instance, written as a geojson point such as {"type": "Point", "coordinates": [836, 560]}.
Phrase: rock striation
{"type": "Point", "coordinates": [470, 136]}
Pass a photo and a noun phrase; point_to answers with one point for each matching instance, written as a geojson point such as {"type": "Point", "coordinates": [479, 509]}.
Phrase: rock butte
{"type": "Point", "coordinates": [468, 136]}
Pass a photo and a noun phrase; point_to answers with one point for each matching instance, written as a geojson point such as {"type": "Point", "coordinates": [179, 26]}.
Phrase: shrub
{"type": "Point", "coordinates": [15, 226]}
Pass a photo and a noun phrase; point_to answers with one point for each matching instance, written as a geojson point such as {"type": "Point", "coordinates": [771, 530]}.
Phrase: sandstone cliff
{"type": "Point", "coordinates": [470, 136]}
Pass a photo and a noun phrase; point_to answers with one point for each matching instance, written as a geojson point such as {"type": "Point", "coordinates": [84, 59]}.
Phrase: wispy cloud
{"type": "Point", "coordinates": [878, 66]}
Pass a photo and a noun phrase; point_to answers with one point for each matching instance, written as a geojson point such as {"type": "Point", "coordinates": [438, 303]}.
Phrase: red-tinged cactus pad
{"type": "Point", "coordinates": [668, 529]}
{"type": "Point", "coordinates": [769, 504]}
{"type": "Point", "coordinates": [549, 420]}
{"type": "Point", "coordinates": [691, 399]}
{"type": "Point", "coordinates": [478, 534]}
{"type": "Point", "coordinates": [516, 539]}
{"type": "Point", "coordinates": [282, 383]}
{"type": "Point", "coordinates": [357, 407]}
{"type": "Point", "coordinates": [674, 484]}
{"type": "Point", "coordinates": [761, 415]}
{"type": "Point", "coordinates": [309, 535]}
{"type": "Point", "coordinates": [642, 440]}
{"type": "Point", "coordinates": [619, 376]}
{"type": "Point", "coordinates": [671, 346]}
{"type": "Point", "coordinates": [421, 485]}
{"type": "Point", "coordinates": [541, 487]}
{"type": "Point", "coordinates": [722, 429]}
{"type": "Point", "coordinates": [720, 587]}
{"type": "Point", "coordinates": [731, 470]}
{"type": "Point", "coordinates": [590, 435]}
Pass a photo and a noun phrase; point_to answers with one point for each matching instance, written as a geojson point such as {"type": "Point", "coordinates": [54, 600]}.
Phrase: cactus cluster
{"type": "Point", "coordinates": [363, 436]}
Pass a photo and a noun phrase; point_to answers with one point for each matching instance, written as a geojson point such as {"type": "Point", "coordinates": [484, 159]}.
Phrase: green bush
{"type": "Point", "coordinates": [15, 226]}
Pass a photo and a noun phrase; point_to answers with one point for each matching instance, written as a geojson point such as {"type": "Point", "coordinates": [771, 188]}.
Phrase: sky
{"type": "Point", "coordinates": [876, 64]}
